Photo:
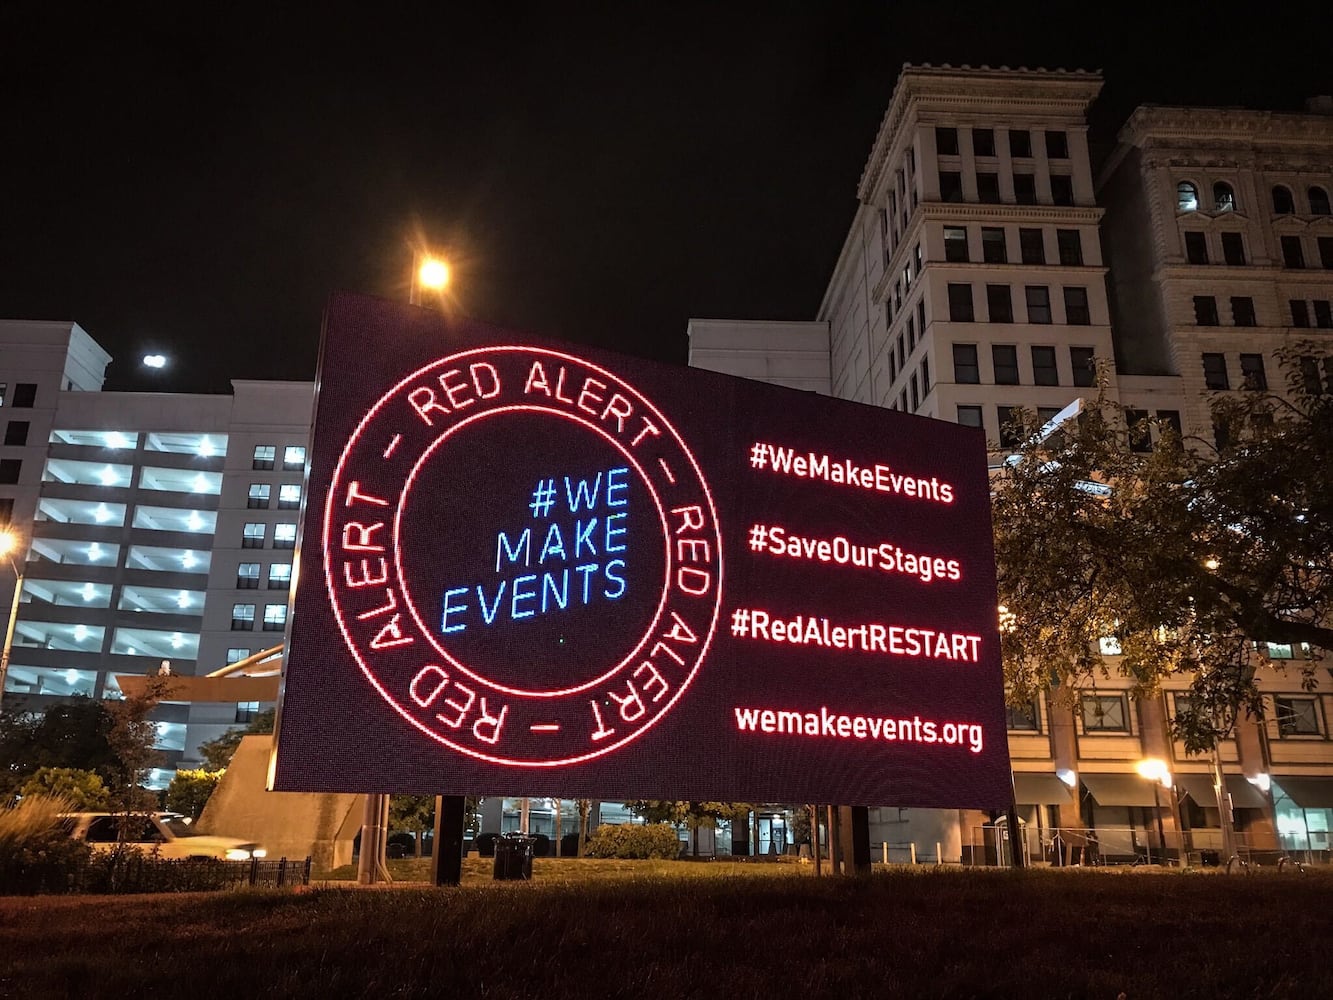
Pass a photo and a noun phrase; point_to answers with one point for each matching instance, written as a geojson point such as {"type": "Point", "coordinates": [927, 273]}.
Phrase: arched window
{"type": "Point", "coordinates": [1187, 197]}
{"type": "Point", "coordinates": [1283, 203]}
{"type": "Point", "coordinates": [1318, 201]}
{"type": "Point", "coordinates": [1224, 199]}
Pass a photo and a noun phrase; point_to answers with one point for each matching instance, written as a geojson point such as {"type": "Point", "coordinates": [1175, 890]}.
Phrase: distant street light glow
{"type": "Point", "coordinates": [433, 274]}
{"type": "Point", "coordinates": [155, 360]}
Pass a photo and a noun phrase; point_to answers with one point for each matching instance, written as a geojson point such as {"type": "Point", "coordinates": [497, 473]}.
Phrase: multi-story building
{"type": "Point", "coordinates": [154, 527]}
{"type": "Point", "coordinates": [974, 279]}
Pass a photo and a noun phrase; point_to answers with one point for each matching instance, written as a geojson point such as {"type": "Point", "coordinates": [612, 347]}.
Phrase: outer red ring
{"type": "Point", "coordinates": [335, 491]}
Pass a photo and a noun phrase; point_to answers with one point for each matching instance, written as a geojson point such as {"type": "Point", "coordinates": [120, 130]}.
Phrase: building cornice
{"type": "Point", "coordinates": [1001, 92]}
{"type": "Point", "coordinates": [1196, 126]}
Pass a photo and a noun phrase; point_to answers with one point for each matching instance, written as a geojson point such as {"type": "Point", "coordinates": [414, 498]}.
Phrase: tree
{"type": "Point", "coordinates": [132, 737]}
{"type": "Point", "coordinates": [584, 807]}
{"type": "Point", "coordinates": [69, 735]}
{"type": "Point", "coordinates": [83, 791]}
{"type": "Point", "coordinates": [1188, 554]}
{"type": "Point", "coordinates": [691, 815]}
{"type": "Point", "coordinates": [217, 754]}
{"type": "Point", "coordinates": [190, 791]}
{"type": "Point", "coordinates": [415, 813]}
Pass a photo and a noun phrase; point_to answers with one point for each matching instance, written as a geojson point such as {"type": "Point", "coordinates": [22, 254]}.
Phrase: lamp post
{"type": "Point", "coordinates": [9, 543]}
{"type": "Point", "coordinates": [1157, 773]}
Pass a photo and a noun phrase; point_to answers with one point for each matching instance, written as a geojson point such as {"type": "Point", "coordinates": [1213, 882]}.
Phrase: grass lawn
{"type": "Point", "coordinates": [674, 929]}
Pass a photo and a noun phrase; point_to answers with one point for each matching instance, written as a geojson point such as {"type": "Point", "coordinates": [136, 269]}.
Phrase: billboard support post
{"type": "Point", "coordinates": [860, 824]}
{"type": "Point", "coordinates": [447, 854]}
{"type": "Point", "coordinates": [814, 837]}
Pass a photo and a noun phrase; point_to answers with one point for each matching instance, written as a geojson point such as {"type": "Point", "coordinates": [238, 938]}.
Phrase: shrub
{"type": "Point", "coordinates": [190, 791]}
{"type": "Point", "coordinates": [37, 853]}
{"type": "Point", "coordinates": [82, 791]}
{"type": "Point", "coordinates": [651, 840]}
{"type": "Point", "coordinates": [485, 844]}
{"type": "Point", "coordinates": [541, 845]}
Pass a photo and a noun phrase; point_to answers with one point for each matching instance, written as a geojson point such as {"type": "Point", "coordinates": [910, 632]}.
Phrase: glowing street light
{"type": "Point", "coordinates": [154, 360]}
{"type": "Point", "coordinates": [1156, 771]}
{"type": "Point", "coordinates": [433, 274]}
{"type": "Point", "coordinates": [9, 544]}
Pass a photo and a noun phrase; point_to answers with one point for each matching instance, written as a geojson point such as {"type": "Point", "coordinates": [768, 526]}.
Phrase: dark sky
{"type": "Point", "coordinates": [196, 178]}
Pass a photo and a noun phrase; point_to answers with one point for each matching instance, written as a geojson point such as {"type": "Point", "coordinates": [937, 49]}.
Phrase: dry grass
{"type": "Point", "coordinates": [637, 932]}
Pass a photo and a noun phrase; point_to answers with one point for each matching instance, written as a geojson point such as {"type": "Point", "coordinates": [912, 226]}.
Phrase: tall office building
{"type": "Point", "coordinates": [975, 278]}
{"type": "Point", "coordinates": [154, 527]}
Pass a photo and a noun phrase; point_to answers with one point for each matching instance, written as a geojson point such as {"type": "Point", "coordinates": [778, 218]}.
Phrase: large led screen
{"type": "Point", "coordinates": [533, 568]}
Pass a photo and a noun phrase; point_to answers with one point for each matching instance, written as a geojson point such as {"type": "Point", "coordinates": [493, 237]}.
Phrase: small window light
{"type": "Point", "coordinates": [183, 599]}
{"type": "Point", "coordinates": [115, 439]}
{"type": "Point", "coordinates": [95, 552]}
{"type": "Point", "coordinates": [154, 361]}
{"type": "Point", "coordinates": [71, 676]}
{"type": "Point", "coordinates": [88, 592]}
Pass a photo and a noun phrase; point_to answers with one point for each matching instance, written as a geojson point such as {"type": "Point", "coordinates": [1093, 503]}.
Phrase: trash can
{"type": "Point", "coordinates": [513, 857]}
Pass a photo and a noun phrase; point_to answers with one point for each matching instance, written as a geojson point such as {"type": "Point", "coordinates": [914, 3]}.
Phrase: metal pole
{"type": "Point", "coordinates": [814, 837]}
{"type": "Point", "coordinates": [1161, 835]}
{"type": "Point", "coordinates": [370, 817]}
{"type": "Point", "coordinates": [9, 630]}
{"type": "Point", "coordinates": [1223, 806]}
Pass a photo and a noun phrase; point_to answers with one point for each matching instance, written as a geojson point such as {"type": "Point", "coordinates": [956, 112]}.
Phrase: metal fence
{"type": "Point", "coordinates": [1092, 847]}
{"type": "Point", "coordinates": [136, 872]}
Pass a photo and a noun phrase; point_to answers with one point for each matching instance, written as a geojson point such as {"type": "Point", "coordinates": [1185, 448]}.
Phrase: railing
{"type": "Point", "coordinates": [1092, 847]}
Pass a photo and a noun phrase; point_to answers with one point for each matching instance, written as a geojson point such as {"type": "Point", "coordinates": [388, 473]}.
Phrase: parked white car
{"type": "Point", "coordinates": [169, 835]}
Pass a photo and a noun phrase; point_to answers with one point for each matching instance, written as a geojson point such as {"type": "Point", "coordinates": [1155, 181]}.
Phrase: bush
{"type": "Point", "coordinates": [541, 845]}
{"type": "Point", "coordinates": [651, 840]}
{"type": "Point", "coordinates": [569, 845]}
{"type": "Point", "coordinates": [190, 791]}
{"type": "Point", "coordinates": [83, 791]}
{"type": "Point", "coordinates": [37, 853]}
{"type": "Point", "coordinates": [485, 844]}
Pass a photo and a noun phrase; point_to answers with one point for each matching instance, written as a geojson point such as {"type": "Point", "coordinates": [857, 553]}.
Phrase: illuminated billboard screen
{"type": "Point", "coordinates": [532, 568]}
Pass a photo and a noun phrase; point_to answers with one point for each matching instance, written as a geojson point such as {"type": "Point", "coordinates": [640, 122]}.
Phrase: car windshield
{"type": "Point", "coordinates": [178, 826]}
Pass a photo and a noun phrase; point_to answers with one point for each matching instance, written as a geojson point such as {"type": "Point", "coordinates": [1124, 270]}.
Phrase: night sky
{"type": "Point", "coordinates": [199, 180]}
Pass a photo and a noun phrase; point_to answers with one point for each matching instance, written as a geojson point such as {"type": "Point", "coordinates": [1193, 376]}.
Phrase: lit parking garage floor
{"type": "Point", "coordinates": [681, 929]}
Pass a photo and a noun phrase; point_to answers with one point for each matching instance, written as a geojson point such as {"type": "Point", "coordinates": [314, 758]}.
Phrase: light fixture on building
{"type": "Point", "coordinates": [89, 591]}
{"type": "Point", "coordinates": [194, 522]}
{"type": "Point", "coordinates": [1154, 770]}
{"type": "Point", "coordinates": [177, 640]}
{"type": "Point", "coordinates": [108, 476]}
{"type": "Point", "coordinates": [188, 560]}
{"type": "Point", "coordinates": [80, 633]}
{"type": "Point", "coordinates": [201, 483]}
{"type": "Point", "coordinates": [205, 447]}
{"type": "Point", "coordinates": [95, 552]}
{"type": "Point", "coordinates": [1262, 781]}
{"type": "Point", "coordinates": [101, 515]}
{"type": "Point", "coordinates": [154, 361]}
{"type": "Point", "coordinates": [183, 599]}
{"type": "Point", "coordinates": [1067, 776]}
{"type": "Point", "coordinates": [115, 439]}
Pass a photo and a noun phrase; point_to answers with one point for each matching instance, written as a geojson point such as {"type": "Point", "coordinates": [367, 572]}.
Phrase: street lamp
{"type": "Point", "coordinates": [430, 273]}
{"type": "Point", "coordinates": [1158, 773]}
{"type": "Point", "coordinates": [9, 543]}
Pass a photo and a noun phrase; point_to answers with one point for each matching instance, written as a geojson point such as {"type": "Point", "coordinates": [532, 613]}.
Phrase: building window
{"type": "Point", "coordinates": [1252, 372]}
{"type": "Point", "coordinates": [1215, 371]}
{"type": "Point", "coordinates": [1170, 418]}
{"type": "Point", "coordinates": [925, 377]}
{"type": "Point", "coordinates": [960, 303]}
{"type": "Point", "coordinates": [1318, 201]}
{"type": "Point", "coordinates": [1314, 385]}
{"type": "Point", "coordinates": [1140, 437]}
{"type": "Point", "coordinates": [4, 391]}
{"type": "Point", "coordinates": [1057, 146]}
{"type": "Point", "coordinates": [993, 250]}
{"type": "Point", "coordinates": [236, 654]}
{"type": "Point", "coordinates": [289, 496]}
{"type": "Point", "coordinates": [284, 536]}
{"type": "Point", "coordinates": [916, 395]}
{"type": "Point", "coordinates": [1025, 189]}
{"type": "Point", "coordinates": [1076, 306]}
{"type": "Point", "coordinates": [988, 188]}
{"type": "Point", "coordinates": [257, 499]}
{"type": "Point", "coordinates": [25, 395]}
{"type": "Point", "coordinates": [1242, 310]}
{"type": "Point", "coordinates": [16, 432]}
{"type": "Point", "coordinates": [1044, 371]}
{"type": "Point", "coordinates": [1071, 247]}
{"type": "Point", "coordinates": [999, 305]}
{"type": "Point", "coordinates": [293, 458]}
{"type": "Point", "coordinates": [1283, 203]}
{"type": "Point", "coordinates": [1297, 716]}
{"type": "Point", "coordinates": [1105, 713]}
{"type": "Point", "coordinates": [1325, 251]}
{"type": "Point", "coordinates": [1024, 718]}
{"type": "Point", "coordinates": [1005, 359]}
{"type": "Point", "coordinates": [279, 576]}
{"type": "Point", "coordinates": [246, 711]}
{"type": "Point", "coordinates": [910, 330]}
{"type": "Point", "coordinates": [275, 617]}
{"type": "Point", "coordinates": [1196, 248]}
{"type": "Point", "coordinates": [1010, 429]}
{"type": "Point", "coordinates": [1205, 310]}
{"type": "Point", "coordinates": [902, 354]}
{"type": "Point", "coordinates": [1300, 313]}
{"type": "Point", "coordinates": [1187, 197]}
{"type": "Point", "coordinates": [1020, 143]}
{"type": "Point", "coordinates": [1032, 246]}
{"type": "Point", "coordinates": [1224, 199]}
{"type": "Point", "coordinates": [253, 536]}
{"type": "Point", "coordinates": [242, 617]}
{"type": "Point", "coordinates": [921, 315]}
{"type": "Point", "coordinates": [965, 368]}
{"type": "Point", "coordinates": [1293, 255]}
{"type": "Point", "coordinates": [951, 185]}
{"type": "Point", "coordinates": [6, 510]}
{"type": "Point", "coordinates": [1323, 316]}
{"type": "Point", "coordinates": [969, 416]}
{"type": "Point", "coordinates": [983, 142]}
{"type": "Point", "coordinates": [1062, 189]}
{"type": "Point", "coordinates": [893, 366]}
{"type": "Point", "coordinates": [9, 470]}
{"type": "Point", "coordinates": [247, 576]}
{"type": "Point", "coordinates": [264, 456]}
{"type": "Point", "coordinates": [1083, 361]}
{"type": "Point", "coordinates": [1233, 249]}
{"type": "Point", "coordinates": [1038, 302]}
{"type": "Point", "coordinates": [955, 244]}
{"type": "Point", "coordinates": [946, 141]}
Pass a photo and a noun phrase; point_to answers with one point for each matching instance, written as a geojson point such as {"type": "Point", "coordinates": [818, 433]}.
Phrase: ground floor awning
{"type": "Point", "coordinates": [1121, 789]}
{"type": "Point", "coordinates": [1040, 790]}
{"type": "Point", "coordinates": [1199, 787]}
{"type": "Point", "coordinates": [1308, 793]}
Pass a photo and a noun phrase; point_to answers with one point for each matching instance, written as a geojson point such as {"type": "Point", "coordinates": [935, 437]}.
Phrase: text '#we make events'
{"type": "Point", "coordinates": [844, 472]}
